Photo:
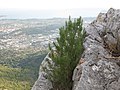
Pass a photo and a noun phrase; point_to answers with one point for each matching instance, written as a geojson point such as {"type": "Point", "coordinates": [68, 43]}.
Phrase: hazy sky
{"type": "Point", "coordinates": [60, 7]}
{"type": "Point", "coordinates": [58, 4]}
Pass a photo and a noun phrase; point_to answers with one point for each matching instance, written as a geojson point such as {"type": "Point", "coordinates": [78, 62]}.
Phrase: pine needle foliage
{"type": "Point", "coordinates": [66, 54]}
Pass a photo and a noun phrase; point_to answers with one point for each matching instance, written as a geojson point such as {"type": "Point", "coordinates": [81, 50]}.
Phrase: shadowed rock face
{"type": "Point", "coordinates": [101, 67]}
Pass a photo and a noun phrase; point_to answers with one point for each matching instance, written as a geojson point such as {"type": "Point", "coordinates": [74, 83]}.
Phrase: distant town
{"type": "Point", "coordinates": [29, 33]}
{"type": "Point", "coordinates": [21, 34]}
{"type": "Point", "coordinates": [34, 33]}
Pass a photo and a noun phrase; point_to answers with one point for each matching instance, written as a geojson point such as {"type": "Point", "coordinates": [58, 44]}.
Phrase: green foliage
{"type": "Point", "coordinates": [66, 55]}
{"type": "Point", "coordinates": [19, 69]}
{"type": "Point", "coordinates": [13, 79]}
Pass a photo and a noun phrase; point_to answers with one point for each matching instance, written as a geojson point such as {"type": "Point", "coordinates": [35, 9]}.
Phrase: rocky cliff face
{"type": "Point", "coordinates": [43, 83]}
{"type": "Point", "coordinates": [99, 67]}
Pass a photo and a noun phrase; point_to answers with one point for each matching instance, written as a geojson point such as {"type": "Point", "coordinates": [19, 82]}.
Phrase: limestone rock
{"type": "Point", "coordinates": [43, 83]}
{"type": "Point", "coordinates": [101, 69]}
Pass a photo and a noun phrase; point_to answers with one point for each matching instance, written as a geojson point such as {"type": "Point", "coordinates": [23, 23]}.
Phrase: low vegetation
{"type": "Point", "coordinates": [19, 69]}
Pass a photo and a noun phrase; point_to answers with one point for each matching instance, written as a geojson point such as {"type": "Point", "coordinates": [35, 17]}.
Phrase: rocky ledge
{"type": "Point", "coordinates": [42, 82]}
{"type": "Point", "coordinates": [99, 67]}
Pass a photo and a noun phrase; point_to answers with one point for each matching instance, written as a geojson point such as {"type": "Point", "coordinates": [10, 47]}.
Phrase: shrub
{"type": "Point", "coordinates": [66, 54]}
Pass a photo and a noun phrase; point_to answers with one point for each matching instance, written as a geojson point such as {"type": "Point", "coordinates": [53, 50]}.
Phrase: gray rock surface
{"type": "Point", "coordinates": [42, 82]}
{"type": "Point", "coordinates": [100, 68]}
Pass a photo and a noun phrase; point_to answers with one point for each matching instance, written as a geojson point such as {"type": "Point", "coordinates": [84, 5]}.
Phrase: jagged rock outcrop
{"type": "Point", "coordinates": [42, 82]}
{"type": "Point", "coordinates": [100, 67]}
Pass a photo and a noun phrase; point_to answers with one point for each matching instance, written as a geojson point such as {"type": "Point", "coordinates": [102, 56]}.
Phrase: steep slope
{"type": "Point", "coordinates": [42, 82]}
{"type": "Point", "coordinates": [99, 67]}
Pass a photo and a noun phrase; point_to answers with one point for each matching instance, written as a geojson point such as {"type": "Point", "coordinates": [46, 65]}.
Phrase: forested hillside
{"type": "Point", "coordinates": [19, 70]}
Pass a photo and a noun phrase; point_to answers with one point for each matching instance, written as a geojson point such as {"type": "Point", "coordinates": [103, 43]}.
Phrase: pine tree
{"type": "Point", "coordinates": [67, 53]}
